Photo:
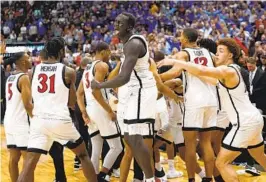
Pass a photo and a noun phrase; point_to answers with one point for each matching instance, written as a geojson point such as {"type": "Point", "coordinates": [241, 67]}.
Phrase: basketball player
{"type": "Point", "coordinates": [18, 105]}
{"type": "Point", "coordinates": [56, 150]}
{"type": "Point", "coordinates": [247, 121]}
{"type": "Point", "coordinates": [172, 133]}
{"type": "Point", "coordinates": [122, 93]}
{"type": "Point", "coordinates": [222, 119]}
{"type": "Point", "coordinates": [139, 115]}
{"type": "Point", "coordinates": [100, 112]}
{"type": "Point", "coordinates": [200, 112]}
{"type": "Point", "coordinates": [53, 91]}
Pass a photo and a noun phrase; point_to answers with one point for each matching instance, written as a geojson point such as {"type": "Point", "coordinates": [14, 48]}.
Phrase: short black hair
{"type": "Point", "coordinates": [61, 40]}
{"type": "Point", "coordinates": [101, 46]}
{"type": "Point", "coordinates": [53, 47]}
{"type": "Point", "coordinates": [43, 54]}
{"type": "Point", "coordinates": [131, 19]}
{"type": "Point", "coordinates": [208, 44]}
{"type": "Point", "coordinates": [158, 56]}
{"type": "Point", "coordinates": [15, 57]}
{"type": "Point", "coordinates": [191, 34]}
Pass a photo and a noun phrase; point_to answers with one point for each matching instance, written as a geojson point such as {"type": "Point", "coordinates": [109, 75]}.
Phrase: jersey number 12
{"type": "Point", "coordinates": [201, 60]}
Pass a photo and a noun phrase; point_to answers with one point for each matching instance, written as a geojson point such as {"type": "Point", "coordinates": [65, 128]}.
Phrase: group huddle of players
{"type": "Point", "coordinates": [153, 108]}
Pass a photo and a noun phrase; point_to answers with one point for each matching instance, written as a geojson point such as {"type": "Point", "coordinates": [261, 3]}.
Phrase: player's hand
{"type": "Point", "coordinates": [86, 118]}
{"type": "Point", "coordinates": [95, 85]}
{"type": "Point", "coordinates": [179, 99]}
{"type": "Point", "coordinates": [112, 116]}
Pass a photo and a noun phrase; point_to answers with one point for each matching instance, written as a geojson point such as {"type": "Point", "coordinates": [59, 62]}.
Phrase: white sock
{"type": "Point", "coordinates": [150, 180]}
{"type": "Point", "coordinates": [171, 164]}
{"type": "Point", "coordinates": [158, 166]}
{"type": "Point", "coordinates": [202, 174]}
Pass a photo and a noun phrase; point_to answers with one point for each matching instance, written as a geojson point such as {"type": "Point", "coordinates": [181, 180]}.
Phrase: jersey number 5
{"type": "Point", "coordinates": [10, 91]}
{"type": "Point", "coordinates": [43, 78]}
{"type": "Point", "coordinates": [201, 60]}
{"type": "Point", "coordinates": [87, 80]}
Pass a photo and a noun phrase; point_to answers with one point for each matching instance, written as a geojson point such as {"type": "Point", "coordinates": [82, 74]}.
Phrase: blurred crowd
{"type": "Point", "coordinates": [82, 24]}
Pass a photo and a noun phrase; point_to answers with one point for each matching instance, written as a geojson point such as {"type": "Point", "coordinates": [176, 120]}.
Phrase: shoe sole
{"type": "Point", "coordinates": [252, 173]}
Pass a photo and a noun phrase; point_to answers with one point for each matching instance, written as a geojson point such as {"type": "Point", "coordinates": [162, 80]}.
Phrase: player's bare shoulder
{"type": "Point", "coordinates": [134, 46]}
{"type": "Point", "coordinates": [181, 55]}
{"type": "Point", "coordinates": [102, 66]}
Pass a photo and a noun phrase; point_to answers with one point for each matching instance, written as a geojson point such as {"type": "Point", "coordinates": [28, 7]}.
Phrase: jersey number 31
{"type": "Point", "coordinates": [45, 81]}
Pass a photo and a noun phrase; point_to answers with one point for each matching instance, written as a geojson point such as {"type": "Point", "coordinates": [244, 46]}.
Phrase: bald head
{"type": "Point", "coordinates": [84, 62]}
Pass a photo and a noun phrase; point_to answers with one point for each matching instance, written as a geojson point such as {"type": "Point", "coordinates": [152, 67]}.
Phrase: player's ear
{"type": "Point", "coordinates": [230, 55]}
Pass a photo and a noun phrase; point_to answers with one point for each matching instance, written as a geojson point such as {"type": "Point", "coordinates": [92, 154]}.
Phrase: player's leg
{"type": "Point", "coordinates": [193, 119]}
{"type": "Point", "coordinates": [141, 153]}
{"type": "Point", "coordinates": [258, 154]}
{"type": "Point", "coordinates": [138, 173]}
{"type": "Point", "coordinates": [56, 153]}
{"type": "Point", "coordinates": [27, 174]}
{"type": "Point", "coordinates": [217, 136]}
{"type": "Point", "coordinates": [190, 148]}
{"type": "Point", "coordinates": [149, 142]}
{"type": "Point", "coordinates": [14, 156]}
{"type": "Point", "coordinates": [205, 138]}
{"type": "Point", "coordinates": [182, 153]}
{"type": "Point", "coordinates": [207, 152]}
{"type": "Point", "coordinates": [38, 143]}
{"type": "Point", "coordinates": [160, 139]}
{"type": "Point", "coordinates": [256, 149]}
{"type": "Point", "coordinates": [97, 144]}
{"type": "Point", "coordinates": [157, 145]}
{"type": "Point", "coordinates": [223, 163]}
{"type": "Point", "coordinates": [125, 163]}
{"type": "Point", "coordinates": [116, 148]}
{"type": "Point", "coordinates": [139, 120]}
{"type": "Point", "coordinates": [87, 167]}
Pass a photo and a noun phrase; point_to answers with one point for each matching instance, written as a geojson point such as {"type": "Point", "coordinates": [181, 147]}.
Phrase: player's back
{"type": "Point", "coordinates": [50, 92]}
{"type": "Point", "coordinates": [16, 118]}
{"type": "Point", "coordinates": [198, 93]}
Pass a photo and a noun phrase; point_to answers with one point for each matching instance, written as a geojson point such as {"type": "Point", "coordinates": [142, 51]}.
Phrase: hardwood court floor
{"type": "Point", "coordinates": [45, 170]}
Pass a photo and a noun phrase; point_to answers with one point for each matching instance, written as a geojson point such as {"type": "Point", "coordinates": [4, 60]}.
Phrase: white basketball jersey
{"type": "Point", "coordinates": [16, 118]}
{"type": "Point", "coordinates": [88, 76]}
{"type": "Point", "coordinates": [50, 92]}
{"type": "Point", "coordinates": [196, 92]}
{"type": "Point", "coordinates": [123, 90]}
{"type": "Point", "coordinates": [141, 76]}
{"type": "Point", "coordinates": [236, 103]}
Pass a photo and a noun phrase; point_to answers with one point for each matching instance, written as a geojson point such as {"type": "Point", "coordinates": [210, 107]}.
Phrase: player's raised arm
{"type": "Point", "coordinates": [160, 85]}
{"type": "Point", "coordinates": [175, 71]}
{"type": "Point", "coordinates": [25, 88]}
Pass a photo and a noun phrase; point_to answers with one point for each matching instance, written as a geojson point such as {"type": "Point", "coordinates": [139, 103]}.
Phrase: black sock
{"type": "Point", "coordinates": [138, 174]}
{"type": "Point", "coordinates": [191, 180]}
{"type": "Point", "coordinates": [219, 178]}
{"type": "Point", "coordinates": [101, 175]}
{"type": "Point", "coordinates": [206, 179]}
